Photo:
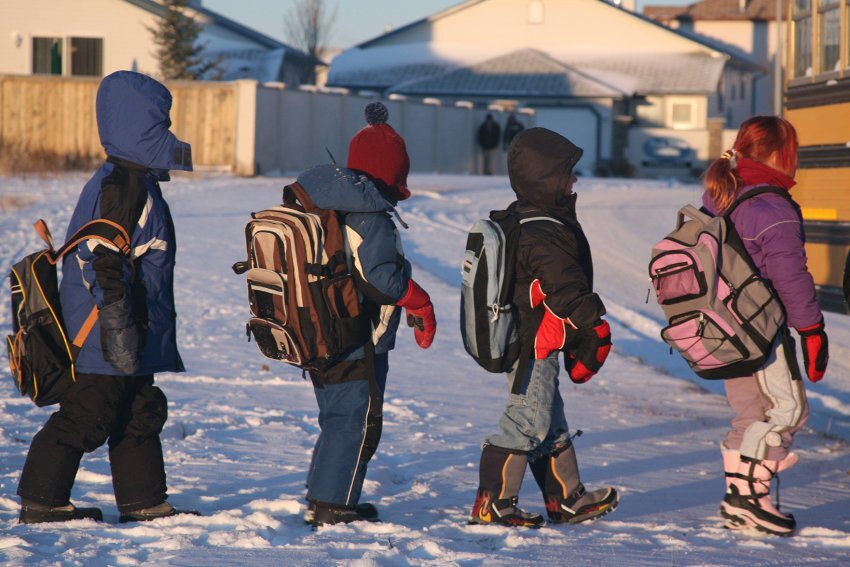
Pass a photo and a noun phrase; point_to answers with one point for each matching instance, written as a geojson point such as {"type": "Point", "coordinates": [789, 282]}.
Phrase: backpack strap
{"type": "Point", "coordinates": [760, 191]}
{"type": "Point", "coordinates": [735, 240]}
{"type": "Point", "coordinates": [104, 230]}
{"type": "Point", "coordinates": [511, 244]}
{"type": "Point", "coordinates": [526, 351]}
{"type": "Point", "coordinates": [526, 348]}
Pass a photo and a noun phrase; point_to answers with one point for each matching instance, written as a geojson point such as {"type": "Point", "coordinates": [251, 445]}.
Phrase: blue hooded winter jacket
{"type": "Point", "coordinates": [374, 246]}
{"type": "Point", "coordinates": [133, 121]}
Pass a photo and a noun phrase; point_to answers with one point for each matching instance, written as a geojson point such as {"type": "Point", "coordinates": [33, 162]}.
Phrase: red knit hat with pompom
{"type": "Point", "coordinates": [380, 152]}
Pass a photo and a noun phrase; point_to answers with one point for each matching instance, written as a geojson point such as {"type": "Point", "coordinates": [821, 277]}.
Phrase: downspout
{"type": "Point", "coordinates": [755, 78]}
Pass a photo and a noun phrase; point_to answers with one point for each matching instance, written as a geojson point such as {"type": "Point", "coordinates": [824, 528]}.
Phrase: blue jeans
{"type": "Point", "coordinates": [534, 421]}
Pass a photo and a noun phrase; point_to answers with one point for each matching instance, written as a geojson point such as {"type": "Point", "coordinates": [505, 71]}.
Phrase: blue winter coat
{"type": "Point", "coordinates": [373, 243]}
{"type": "Point", "coordinates": [133, 121]}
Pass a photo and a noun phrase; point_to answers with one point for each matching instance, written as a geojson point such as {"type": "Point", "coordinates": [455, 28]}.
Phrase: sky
{"type": "Point", "coordinates": [356, 20]}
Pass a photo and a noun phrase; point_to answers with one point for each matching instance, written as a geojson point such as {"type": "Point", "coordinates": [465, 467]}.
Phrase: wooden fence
{"type": "Point", "coordinates": [243, 126]}
{"type": "Point", "coordinates": [57, 115]}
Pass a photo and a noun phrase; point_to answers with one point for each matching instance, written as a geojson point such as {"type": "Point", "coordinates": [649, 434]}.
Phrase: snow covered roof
{"type": "Point", "coordinates": [530, 73]}
{"type": "Point", "coordinates": [523, 73]}
{"type": "Point", "coordinates": [260, 64]}
{"type": "Point", "coordinates": [667, 74]}
{"type": "Point", "coordinates": [384, 77]}
{"type": "Point", "coordinates": [754, 10]}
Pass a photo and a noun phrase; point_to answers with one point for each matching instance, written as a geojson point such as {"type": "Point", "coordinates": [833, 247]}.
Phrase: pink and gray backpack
{"type": "Point", "coordinates": [723, 317]}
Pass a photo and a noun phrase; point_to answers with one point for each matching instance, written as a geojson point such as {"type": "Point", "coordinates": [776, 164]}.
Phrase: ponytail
{"type": "Point", "coordinates": [722, 181]}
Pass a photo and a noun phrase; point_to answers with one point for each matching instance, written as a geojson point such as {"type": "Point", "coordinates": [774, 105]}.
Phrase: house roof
{"type": "Point", "coordinates": [530, 73]}
{"type": "Point", "coordinates": [383, 77]}
{"type": "Point", "coordinates": [671, 74]}
{"type": "Point", "coordinates": [754, 10]}
{"type": "Point", "coordinates": [226, 23]}
{"type": "Point", "coordinates": [525, 73]}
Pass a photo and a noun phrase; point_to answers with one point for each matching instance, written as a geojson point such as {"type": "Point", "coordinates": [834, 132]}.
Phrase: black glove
{"type": "Point", "coordinates": [119, 336]}
{"type": "Point", "coordinates": [589, 354]}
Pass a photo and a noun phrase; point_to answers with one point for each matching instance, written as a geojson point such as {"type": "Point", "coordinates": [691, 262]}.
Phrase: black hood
{"type": "Point", "coordinates": [540, 163]}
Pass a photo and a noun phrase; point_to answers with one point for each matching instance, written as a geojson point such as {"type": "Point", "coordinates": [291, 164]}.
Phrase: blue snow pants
{"type": "Point", "coordinates": [350, 418]}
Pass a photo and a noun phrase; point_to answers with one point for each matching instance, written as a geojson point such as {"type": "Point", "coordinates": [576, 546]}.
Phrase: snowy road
{"type": "Point", "coordinates": [241, 427]}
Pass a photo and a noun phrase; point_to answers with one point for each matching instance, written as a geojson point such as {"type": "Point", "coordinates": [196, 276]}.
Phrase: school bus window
{"type": "Point", "coordinates": [829, 34]}
{"type": "Point", "coordinates": [802, 38]}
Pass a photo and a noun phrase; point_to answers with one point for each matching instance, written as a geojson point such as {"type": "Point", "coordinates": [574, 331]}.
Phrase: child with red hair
{"type": "Point", "coordinates": [770, 406]}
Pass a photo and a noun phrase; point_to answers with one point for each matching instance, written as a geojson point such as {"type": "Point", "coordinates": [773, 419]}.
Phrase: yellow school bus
{"type": "Point", "coordinates": [817, 103]}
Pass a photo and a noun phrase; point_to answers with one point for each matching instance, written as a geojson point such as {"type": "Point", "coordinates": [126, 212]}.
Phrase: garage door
{"type": "Point", "coordinates": [579, 125]}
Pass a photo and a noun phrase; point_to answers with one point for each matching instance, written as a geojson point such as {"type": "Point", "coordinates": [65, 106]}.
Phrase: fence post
{"type": "Point", "coordinates": [2, 112]}
{"type": "Point", "coordinates": [246, 127]}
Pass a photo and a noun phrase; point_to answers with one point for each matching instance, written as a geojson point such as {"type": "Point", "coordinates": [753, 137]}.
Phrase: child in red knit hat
{"type": "Point", "coordinates": [350, 393]}
{"type": "Point", "coordinates": [378, 151]}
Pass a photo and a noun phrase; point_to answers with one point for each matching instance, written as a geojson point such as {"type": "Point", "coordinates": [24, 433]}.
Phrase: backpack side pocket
{"type": "Point", "coordinates": [705, 342]}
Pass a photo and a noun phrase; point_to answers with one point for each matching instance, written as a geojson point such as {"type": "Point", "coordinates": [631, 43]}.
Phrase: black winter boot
{"type": "Point", "coordinates": [319, 514]}
{"type": "Point", "coordinates": [566, 499]}
{"type": "Point", "coordinates": [35, 513]}
{"type": "Point", "coordinates": [163, 510]}
{"type": "Point", "coordinates": [500, 476]}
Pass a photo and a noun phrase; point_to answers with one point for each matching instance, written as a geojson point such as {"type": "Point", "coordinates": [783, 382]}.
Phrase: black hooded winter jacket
{"type": "Point", "coordinates": [540, 163]}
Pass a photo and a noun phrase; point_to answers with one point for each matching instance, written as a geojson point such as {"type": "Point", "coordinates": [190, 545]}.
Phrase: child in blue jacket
{"type": "Point", "coordinates": [130, 302]}
{"type": "Point", "coordinates": [350, 393]}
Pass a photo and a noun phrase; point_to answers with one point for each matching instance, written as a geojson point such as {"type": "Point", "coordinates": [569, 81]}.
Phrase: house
{"type": "Point", "coordinates": [591, 69]}
{"type": "Point", "coordinates": [744, 26]}
{"type": "Point", "coordinates": [97, 37]}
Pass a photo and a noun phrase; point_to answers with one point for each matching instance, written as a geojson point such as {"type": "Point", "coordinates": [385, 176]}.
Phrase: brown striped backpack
{"type": "Point", "coordinates": [41, 353]}
{"type": "Point", "coordinates": [305, 309]}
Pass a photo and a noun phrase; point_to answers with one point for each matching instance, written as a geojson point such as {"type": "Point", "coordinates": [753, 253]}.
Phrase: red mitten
{"type": "Point", "coordinates": [815, 350]}
{"type": "Point", "coordinates": [553, 330]}
{"type": "Point", "coordinates": [420, 314]}
{"type": "Point", "coordinates": [585, 360]}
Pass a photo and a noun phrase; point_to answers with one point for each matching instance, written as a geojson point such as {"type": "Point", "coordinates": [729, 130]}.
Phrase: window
{"type": "Point", "coordinates": [87, 56]}
{"type": "Point", "coordinates": [829, 35]}
{"type": "Point", "coordinates": [681, 113]}
{"type": "Point", "coordinates": [536, 12]}
{"type": "Point", "coordinates": [802, 38]}
{"type": "Point", "coordinates": [47, 55]}
{"type": "Point", "coordinates": [742, 89]}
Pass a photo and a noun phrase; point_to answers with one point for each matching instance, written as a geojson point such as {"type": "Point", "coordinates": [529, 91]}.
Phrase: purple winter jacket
{"type": "Point", "coordinates": [771, 231]}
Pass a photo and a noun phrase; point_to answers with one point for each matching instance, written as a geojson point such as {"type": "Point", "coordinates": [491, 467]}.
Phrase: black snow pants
{"type": "Point", "coordinates": [129, 412]}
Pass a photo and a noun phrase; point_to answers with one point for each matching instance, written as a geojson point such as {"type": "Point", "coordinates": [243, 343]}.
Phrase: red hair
{"type": "Point", "coordinates": [766, 139]}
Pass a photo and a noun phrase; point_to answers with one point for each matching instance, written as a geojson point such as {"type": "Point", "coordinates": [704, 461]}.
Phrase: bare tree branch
{"type": "Point", "coordinates": [308, 25]}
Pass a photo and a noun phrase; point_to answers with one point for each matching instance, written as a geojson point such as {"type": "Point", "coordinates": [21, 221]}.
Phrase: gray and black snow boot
{"type": "Point", "coordinates": [319, 514]}
{"type": "Point", "coordinates": [35, 513]}
{"type": "Point", "coordinates": [500, 478]}
{"type": "Point", "coordinates": [566, 499]}
{"type": "Point", "coordinates": [162, 510]}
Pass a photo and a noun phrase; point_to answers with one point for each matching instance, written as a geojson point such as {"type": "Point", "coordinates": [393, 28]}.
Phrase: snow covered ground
{"type": "Point", "coordinates": [241, 427]}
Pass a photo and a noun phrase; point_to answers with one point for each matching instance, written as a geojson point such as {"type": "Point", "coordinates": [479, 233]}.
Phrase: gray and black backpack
{"type": "Point", "coordinates": [488, 320]}
{"type": "Point", "coordinates": [723, 317]}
